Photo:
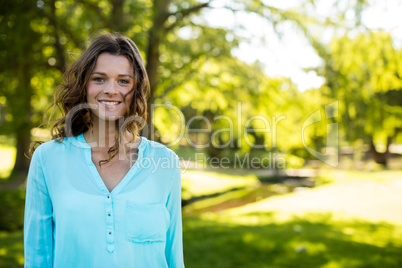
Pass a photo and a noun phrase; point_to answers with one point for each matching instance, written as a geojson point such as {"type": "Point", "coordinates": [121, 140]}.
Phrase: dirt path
{"type": "Point", "coordinates": [374, 196]}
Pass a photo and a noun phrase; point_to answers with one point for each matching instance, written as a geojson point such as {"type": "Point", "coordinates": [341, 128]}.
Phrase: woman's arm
{"type": "Point", "coordinates": [174, 239]}
{"type": "Point", "coordinates": [38, 222]}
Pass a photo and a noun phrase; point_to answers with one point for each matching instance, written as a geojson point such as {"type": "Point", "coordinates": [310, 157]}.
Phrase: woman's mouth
{"type": "Point", "coordinates": [109, 103]}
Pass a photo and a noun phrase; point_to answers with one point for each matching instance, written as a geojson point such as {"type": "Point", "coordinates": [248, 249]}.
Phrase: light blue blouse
{"type": "Point", "coordinates": [72, 220]}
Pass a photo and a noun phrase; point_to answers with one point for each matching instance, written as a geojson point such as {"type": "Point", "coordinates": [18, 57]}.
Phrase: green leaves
{"type": "Point", "coordinates": [360, 70]}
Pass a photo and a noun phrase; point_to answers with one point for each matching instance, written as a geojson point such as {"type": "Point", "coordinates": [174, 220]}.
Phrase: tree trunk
{"type": "Point", "coordinates": [20, 107]}
{"type": "Point", "coordinates": [152, 69]}
{"type": "Point", "coordinates": [21, 166]}
{"type": "Point", "coordinates": [117, 16]}
{"type": "Point", "coordinates": [154, 40]}
{"type": "Point", "coordinates": [61, 62]}
{"type": "Point", "coordinates": [379, 158]}
{"type": "Point", "coordinates": [156, 34]}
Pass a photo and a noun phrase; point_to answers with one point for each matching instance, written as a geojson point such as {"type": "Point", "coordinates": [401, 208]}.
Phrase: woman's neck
{"type": "Point", "coordinates": [102, 134]}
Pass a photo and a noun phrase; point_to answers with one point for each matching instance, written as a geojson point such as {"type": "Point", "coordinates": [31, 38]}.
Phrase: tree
{"type": "Point", "coordinates": [19, 59]}
{"type": "Point", "coordinates": [57, 30]}
{"type": "Point", "coordinates": [363, 72]}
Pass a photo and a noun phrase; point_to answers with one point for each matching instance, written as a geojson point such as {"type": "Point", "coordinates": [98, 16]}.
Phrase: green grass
{"type": "Point", "coordinates": [196, 183]}
{"type": "Point", "coordinates": [311, 241]}
{"type": "Point", "coordinates": [314, 241]}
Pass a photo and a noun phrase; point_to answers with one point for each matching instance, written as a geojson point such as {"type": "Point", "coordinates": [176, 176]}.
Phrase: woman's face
{"type": "Point", "coordinates": [109, 86]}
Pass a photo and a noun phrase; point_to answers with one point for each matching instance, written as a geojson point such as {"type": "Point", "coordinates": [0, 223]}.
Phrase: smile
{"type": "Point", "coordinates": [109, 103]}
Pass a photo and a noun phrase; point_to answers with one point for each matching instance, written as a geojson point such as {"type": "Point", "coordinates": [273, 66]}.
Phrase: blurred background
{"type": "Point", "coordinates": [286, 115]}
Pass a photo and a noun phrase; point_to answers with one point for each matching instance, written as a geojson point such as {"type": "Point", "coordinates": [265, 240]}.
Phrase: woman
{"type": "Point", "coordinates": [98, 195]}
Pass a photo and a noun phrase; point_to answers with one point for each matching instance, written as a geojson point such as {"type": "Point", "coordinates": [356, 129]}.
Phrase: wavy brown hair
{"type": "Point", "coordinates": [71, 96]}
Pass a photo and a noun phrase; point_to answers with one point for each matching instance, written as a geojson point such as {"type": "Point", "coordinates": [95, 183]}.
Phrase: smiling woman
{"type": "Point", "coordinates": [91, 201]}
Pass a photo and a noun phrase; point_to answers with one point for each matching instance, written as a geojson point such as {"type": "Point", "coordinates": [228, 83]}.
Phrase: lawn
{"type": "Point", "coordinates": [198, 183]}
{"type": "Point", "coordinates": [315, 240]}
{"type": "Point", "coordinates": [355, 221]}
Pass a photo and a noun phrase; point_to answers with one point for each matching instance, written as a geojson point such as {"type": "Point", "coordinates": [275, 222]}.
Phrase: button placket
{"type": "Point", "coordinates": [109, 223]}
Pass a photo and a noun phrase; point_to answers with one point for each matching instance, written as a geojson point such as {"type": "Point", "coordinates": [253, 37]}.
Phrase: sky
{"type": "Point", "coordinates": [289, 54]}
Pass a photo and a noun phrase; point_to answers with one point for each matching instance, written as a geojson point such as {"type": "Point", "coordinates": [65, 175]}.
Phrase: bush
{"type": "Point", "coordinates": [12, 209]}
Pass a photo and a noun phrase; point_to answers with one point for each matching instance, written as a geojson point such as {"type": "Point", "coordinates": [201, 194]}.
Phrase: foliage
{"type": "Point", "coordinates": [20, 57]}
{"type": "Point", "coordinates": [359, 68]}
{"type": "Point", "coordinates": [11, 249]}
{"type": "Point", "coordinates": [189, 62]}
{"type": "Point", "coordinates": [363, 74]}
{"type": "Point", "coordinates": [12, 209]}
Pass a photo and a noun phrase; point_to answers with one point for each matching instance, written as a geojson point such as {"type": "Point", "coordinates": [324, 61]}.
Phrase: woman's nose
{"type": "Point", "coordinates": [111, 88]}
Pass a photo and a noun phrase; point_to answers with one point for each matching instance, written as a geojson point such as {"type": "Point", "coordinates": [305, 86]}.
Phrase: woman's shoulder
{"type": "Point", "coordinates": [157, 149]}
{"type": "Point", "coordinates": [55, 145]}
{"type": "Point", "coordinates": [158, 158]}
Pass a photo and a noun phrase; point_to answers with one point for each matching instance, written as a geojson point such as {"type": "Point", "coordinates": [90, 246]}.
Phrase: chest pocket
{"type": "Point", "coordinates": [146, 222]}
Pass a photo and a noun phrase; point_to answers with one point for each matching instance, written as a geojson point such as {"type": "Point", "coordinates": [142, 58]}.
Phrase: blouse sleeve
{"type": "Point", "coordinates": [38, 223]}
{"type": "Point", "coordinates": [174, 239]}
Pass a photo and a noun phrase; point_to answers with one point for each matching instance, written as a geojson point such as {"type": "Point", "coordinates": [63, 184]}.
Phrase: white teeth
{"type": "Point", "coordinates": [109, 102]}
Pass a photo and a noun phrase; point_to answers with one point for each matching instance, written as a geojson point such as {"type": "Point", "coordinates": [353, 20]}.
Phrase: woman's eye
{"type": "Point", "coordinates": [124, 81]}
{"type": "Point", "coordinates": [98, 79]}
